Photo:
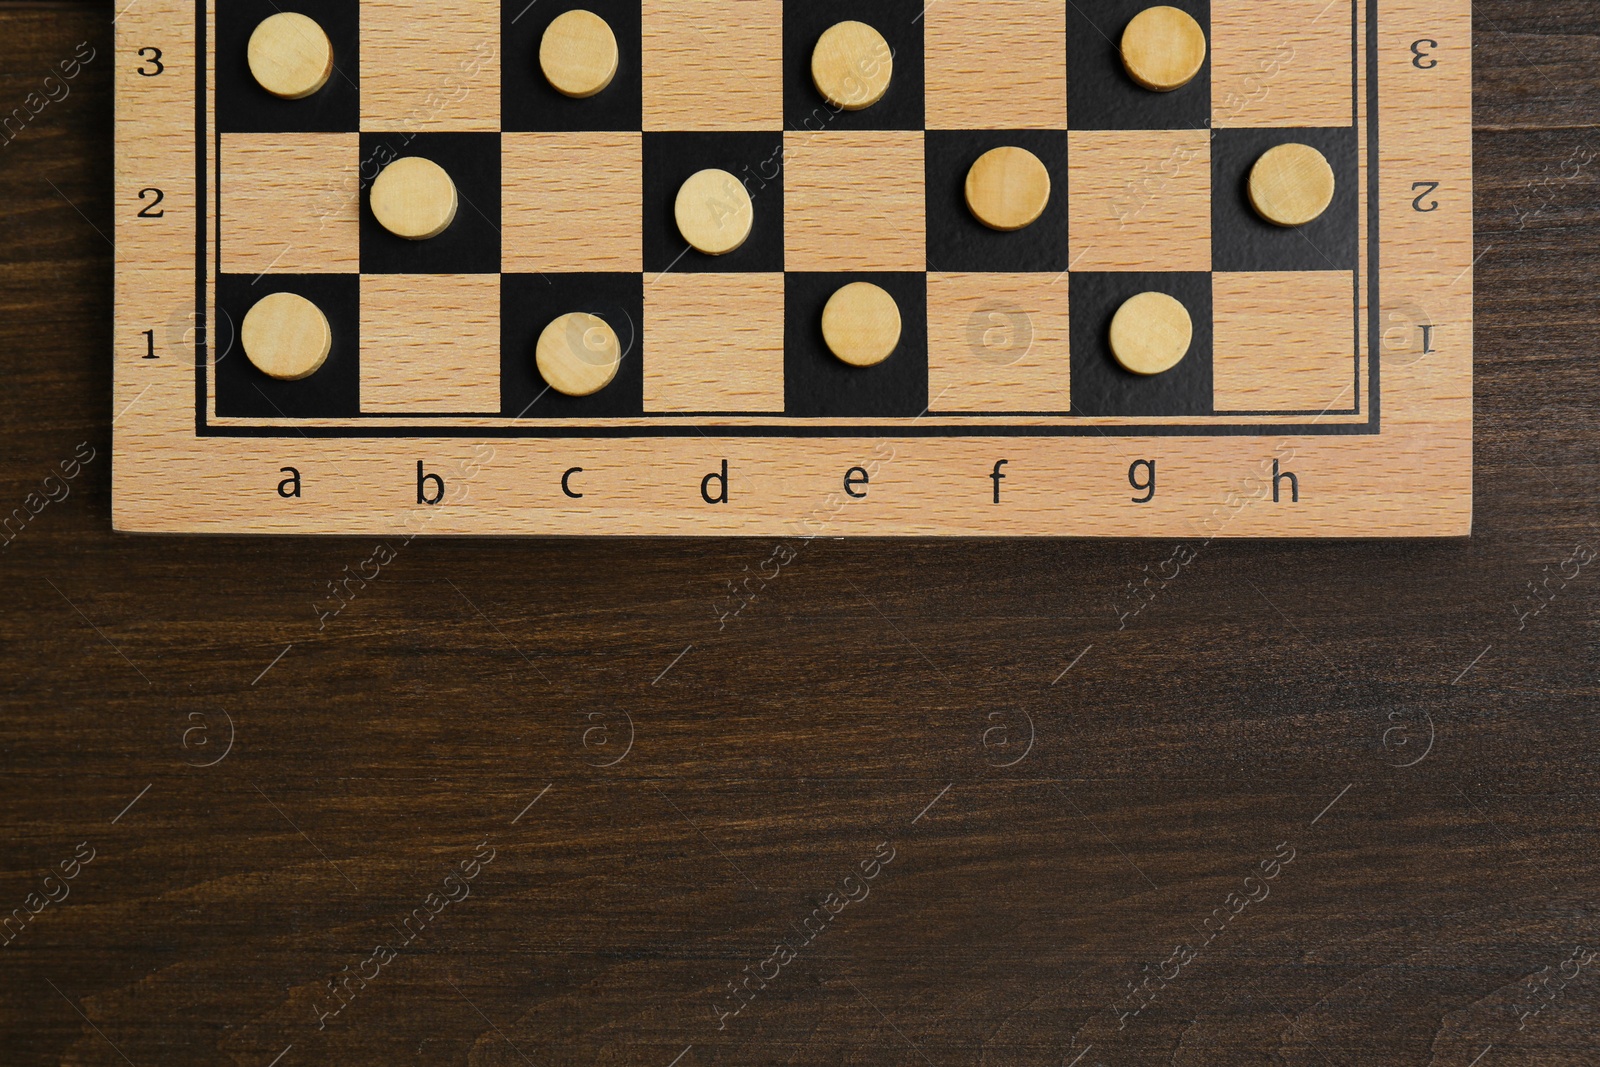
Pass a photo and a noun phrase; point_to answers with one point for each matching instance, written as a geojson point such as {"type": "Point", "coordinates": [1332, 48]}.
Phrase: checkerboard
{"type": "Point", "coordinates": [1327, 390]}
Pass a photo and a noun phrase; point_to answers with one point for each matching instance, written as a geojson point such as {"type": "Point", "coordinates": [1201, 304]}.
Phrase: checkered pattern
{"type": "Point", "coordinates": [566, 205]}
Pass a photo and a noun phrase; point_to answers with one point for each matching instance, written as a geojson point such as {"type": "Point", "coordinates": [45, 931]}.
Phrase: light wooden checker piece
{"type": "Point", "coordinates": [578, 54]}
{"type": "Point", "coordinates": [414, 198]}
{"type": "Point", "coordinates": [1008, 188]}
{"type": "Point", "coordinates": [578, 354]}
{"type": "Point", "coordinates": [852, 66]}
{"type": "Point", "coordinates": [1291, 185]}
{"type": "Point", "coordinates": [977, 456]}
{"type": "Point", "coordinates": [714, 212]}
{"type": "Point", "coordinates": [286, 336]}
{"type": "Point", "coordinates": [290, 56]}
{"type": "Point", "coordinates": [861, 324]}
{"type": "Point", "coordinates": [1163, 48]}
{"type": "Point", "coordinates": [1151, 333]}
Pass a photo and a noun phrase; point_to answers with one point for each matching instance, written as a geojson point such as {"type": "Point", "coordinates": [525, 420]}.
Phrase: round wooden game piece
{"type": "Point", "coordinates": [578, 354]}
{"type": "Point", "coordinates": [290, 56]}
{"type": "Point", "coordinates": [861, 324]}
{"type": "Point", "coordinates": [1163, 48]}
{"type": "Point", "coordinates": [714, 212]}
{"type": "Point", "coordinates": [1008, 188]}
{"type": "Point", "coordinates": [1150, 333]}
{"type": "Point", "coordinates": [414, 198]}
{"type": "Point", "coordinates": [852, 65]}
{"type": "Point", "coordinates": [578, 54]}
{"type": "Point", "coordinates": [286, 336]}
{"type": "Point", "coordinates": [1291, 184]}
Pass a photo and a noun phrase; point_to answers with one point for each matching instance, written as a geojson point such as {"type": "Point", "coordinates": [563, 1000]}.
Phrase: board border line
{"type": "Point", "coordinates": [575, 428]}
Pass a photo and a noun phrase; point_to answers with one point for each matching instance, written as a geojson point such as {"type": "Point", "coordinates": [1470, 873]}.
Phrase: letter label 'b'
{"type": "Point", "coordinates": [430, 487]}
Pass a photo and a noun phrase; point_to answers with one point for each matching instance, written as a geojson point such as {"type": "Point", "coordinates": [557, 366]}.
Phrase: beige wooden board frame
{"type": "Point", "coordinates": [1405, 472]}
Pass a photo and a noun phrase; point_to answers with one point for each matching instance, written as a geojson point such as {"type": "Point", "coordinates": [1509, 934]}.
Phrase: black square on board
{"type": "Point", "coordinates": [472, 243]}
{"type": "Point", "coordinates": [1241, 240]}
{"type": "Point", "coordinates": [1101, 95]}
{"type": "Point", "coordinates": [900, 23]}
{"type": "Point", "coordinates": [334, 391]}
{"type": "Point", "coordinates": [1099, 384]}
{"type": "Point", "coordinates": [528, 103]}
{"type": "Point", "coordinates": [244, 107]}
{"type": "Point", "coordinates": [818, 384]}
{"type": "Point", "coordinates": [957, 240]}
{"type": "Point", "coordinates": [529, 303]}
{"type": "Point", "coordinates": [670, 159]}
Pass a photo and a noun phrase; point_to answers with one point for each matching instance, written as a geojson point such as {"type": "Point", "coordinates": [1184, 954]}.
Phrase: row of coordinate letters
{"type": "Point", "coordinates": [433, 486]}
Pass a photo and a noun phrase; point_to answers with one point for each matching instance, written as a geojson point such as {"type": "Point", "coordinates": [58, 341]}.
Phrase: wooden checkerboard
{"type": "Point", "coordinates": [1327, 390]}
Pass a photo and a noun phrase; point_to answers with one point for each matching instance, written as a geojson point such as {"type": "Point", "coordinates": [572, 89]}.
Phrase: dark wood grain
{"type": "Point", "coordinates": [873, 692]}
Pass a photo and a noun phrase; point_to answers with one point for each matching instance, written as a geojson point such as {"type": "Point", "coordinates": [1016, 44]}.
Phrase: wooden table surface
{"type": "Point", "coordinates": [551, 803]}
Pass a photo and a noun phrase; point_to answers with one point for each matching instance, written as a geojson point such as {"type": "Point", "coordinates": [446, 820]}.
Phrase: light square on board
{"type": "Point", "coordinates": [571, 201]}
{"type": "Point", "coordinates": [1140, 200]}
{"type": "Point", "coordinates": [1284, 341]}
{"type": "Point", "coordinates": [430, 343]}
{"type": "Point", "coordinates": [433, 66]}
{"type": "Point", "coordinates": [713, 65]}
{"type": "Point", "coordinates": [713, 342]}
{"type": "Point", "coordinates": [1281, 63]}
{"type": "Point", "coordinates": [996, 65]}
{"type": "Point", "coordinates": [998, 342]}
{"type": "Point", "coordinates": [291, 203]}
{"type": "Point", "coordinates": [854, 201]}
